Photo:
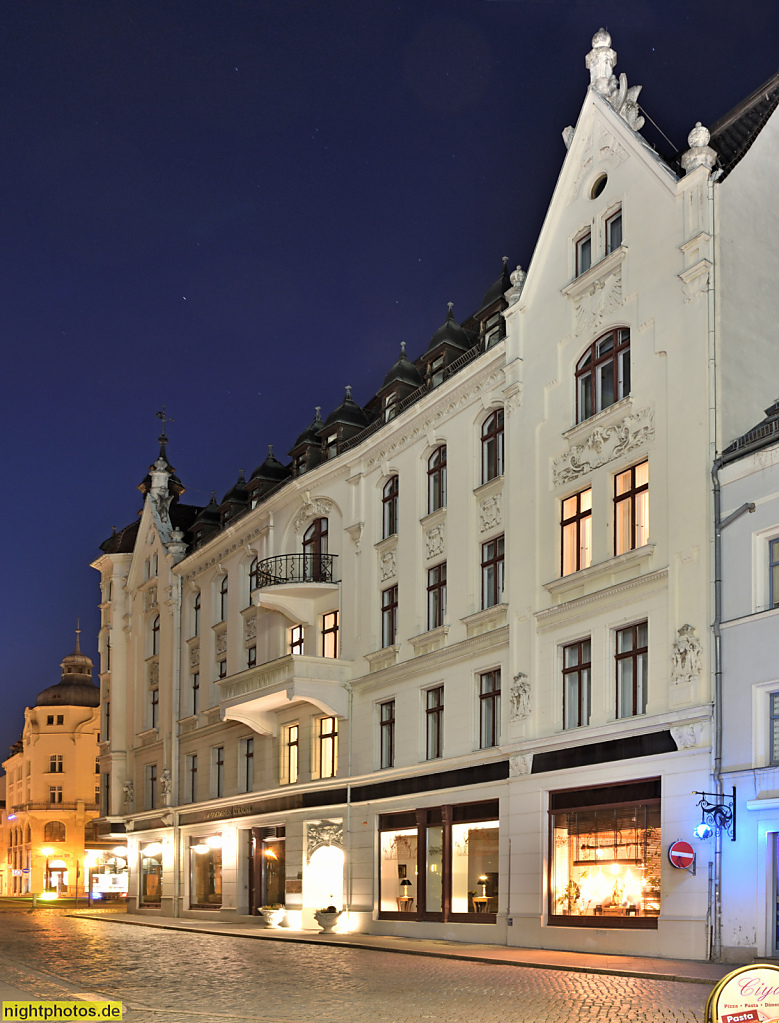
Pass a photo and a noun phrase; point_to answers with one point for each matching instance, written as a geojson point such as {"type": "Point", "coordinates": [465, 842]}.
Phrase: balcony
{"type": "Point", "coordinates": [301, 586]}
{"type": "Point", "coordinates": [254, 696]}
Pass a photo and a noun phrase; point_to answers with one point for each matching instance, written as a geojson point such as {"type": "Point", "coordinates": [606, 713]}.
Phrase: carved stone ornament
{"type": "Point", "coordinates": [220, 642]}
{"type": "Point", "coordinates": [355, 533]}
{"type": "Point", "coordinates": [603, 149]}
{"type": "Point", "coordinates": [154, 673]}
{"type": "Point", "coordinates": [317, 509]}
{"type": "Point", "coordinates": [434, 541]}
{"type": "Point", "coordinates": [490, 514]}
{"type": "Point", "coordinates": [519, 764]}
{"type": "Point", "coordinates": [700, 153]}
{"type": "Point", "coordinates": [194, 655]}
{"type": "Point", "coordinates": [604, 444]}
{"type": "Point", "coordinates": [687, 736]}
{"type": "Point", "coordinates": [517, 278]}
{"type": "Point", "coordinates": [601, 61]}
{"type": "Point", "coordinates": [128, 793]}
{"type": "Point", "coordinates": [520, 697]}
{"type": "Point", "coordinates": [598, 304]}
{"type": "Point", "coordinates": [250, 628]}
{"type": "Point", "coordinates": [166, 783]}
{"type": "Point", "coordinates": [150, 598]}
{"type": "Point", "coordinates": [686, 658]}
{"type": "Point", "coordinates": [319, 833]}
{"type": "Point", "coordinates": [387, 566]}
{"type": "Point", "coordinates": [695, 288]}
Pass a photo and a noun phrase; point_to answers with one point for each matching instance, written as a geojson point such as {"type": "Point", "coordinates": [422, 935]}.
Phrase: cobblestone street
{"type": "Point", "coordinates": [175, 977]}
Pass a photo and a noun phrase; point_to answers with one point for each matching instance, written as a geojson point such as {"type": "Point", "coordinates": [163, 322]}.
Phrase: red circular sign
{"type": "Point", "coordinates": [681, 854]}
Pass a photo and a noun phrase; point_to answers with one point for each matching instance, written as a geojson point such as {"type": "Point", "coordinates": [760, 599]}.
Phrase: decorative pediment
{"type": "Point", "coordinates": [319, 508]}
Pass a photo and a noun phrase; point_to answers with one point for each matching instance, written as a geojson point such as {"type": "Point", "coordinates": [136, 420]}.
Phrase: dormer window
{"type": "Point", "coordinates": [583, 253]}
{"type": "Point", "coordinates": [299, 465]}
{"type": "Point", "coordinates": [614, 231]}
{"type": "Point", "coordinates": [494, 330]}
{"type": "Point", "coordinates": [390, 406]}
{"type": "Point", "coordinates": [331, 445]}
{"type": "Point", "coordinates": [435, 371]}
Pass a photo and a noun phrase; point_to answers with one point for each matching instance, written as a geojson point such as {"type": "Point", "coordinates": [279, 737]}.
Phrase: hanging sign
{"type": "Point", "coordinates": [747, 995]}
{"type": "Point", "coordinates": [681, 855]}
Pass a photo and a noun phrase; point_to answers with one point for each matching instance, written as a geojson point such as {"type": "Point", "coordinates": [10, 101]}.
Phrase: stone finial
{"type": "Point", "coordinates": [600, 61]}
{"type": "Point", "coordinates": [517, 278]}
{"type": "Point", "coordinates": [700, 153]}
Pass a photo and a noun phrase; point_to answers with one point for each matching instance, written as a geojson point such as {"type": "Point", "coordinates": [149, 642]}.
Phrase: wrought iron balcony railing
{"type": "Point", "coordinates": [297, 568]}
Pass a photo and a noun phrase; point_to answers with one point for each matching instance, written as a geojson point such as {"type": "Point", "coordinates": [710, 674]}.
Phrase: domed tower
{"type": "Point", "coordinates": [75, 688]}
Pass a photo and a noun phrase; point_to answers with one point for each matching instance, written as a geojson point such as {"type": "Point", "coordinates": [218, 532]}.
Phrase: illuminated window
{"type": "Point", "coordinates": [296, 637]}
{"type": "Point", "coordinates": [54, 831]}
{"type": "Point", "coordinates": [328, 747]}
{"type": "Point", "coordinates": [576, 524]}
{"type": "Point", "coordinates": [289, 767]}
{"type": "Point", "coordinates": [330, 634]}
{"type": "Point", "coordinates": [631, 508]}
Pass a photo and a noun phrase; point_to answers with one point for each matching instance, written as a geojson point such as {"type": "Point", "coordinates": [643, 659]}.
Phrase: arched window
{"type": "Point", "coordinates": [315, 551]}
{"type": "Point", "coordinates": [254, 575]}
{"type": "Point", "coordinates": [54, 832]}
{"type": "Point", "coordinates": [155, 636]}
{"type": "Point", "coordinates": [389, 507]}
{"type": "Point", "coordinates": [492, 446]}
{"type": "Point", "coordinates": [223, 598]}
{"type": "Point", "coordinates": [196, 615]}
{"type": "Point", "coordinates": [436, 479]}
{"type": "Point", "coordinates": [603, 373]}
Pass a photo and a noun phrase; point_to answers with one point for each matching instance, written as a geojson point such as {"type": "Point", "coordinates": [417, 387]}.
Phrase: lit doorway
{"type": "Point", "coordinates": [267, 868]}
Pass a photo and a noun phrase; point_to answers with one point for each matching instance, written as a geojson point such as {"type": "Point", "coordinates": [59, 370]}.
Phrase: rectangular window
{"type": "Point", "coordinates": [489, 709]}
{"type": "Point", "coordinates": [583, 253]}
{"type": "Point", "coordinates": [218, 761]}
{"type": "Point", "coordinates": [389, 507]}
{"type": "Point", "coordinates": [774, 737]}
{"type": "Point", "coordinates": [221, 669]}
{"type": "Point", "coordinates": [330, 634]}
{"type": "Point", "coordinates": [435, 371]}
{"type": "Point", "coordinates": [631, 508]}
{"type": "Point", "coordinates": [247, 764]}
{"type": "Point", "coordinates": [436, 596]}
{"type": "Point", "coordinates": [191, 779]}
{"type": "Point", "coordinates": [494, 330]}
{"type": "Point", "coordinates": [434, 713]}
{"type": "Point", "coordinates": [296, 637]}
{"type": "Point", "coordinates": [251, 657]}
{"type": "Point", "coordinates": [576, 524]}
{"type": "Point", "coordinates": [205, 887]}
{"type": "Point", "coordinates": [60, 719]}
{"type": "Point", "coordinates": [151, 786]}
{"type": "Point", "coordinates": [436, 479]}
{"type": "Point", "coordinates": [55, 793]}
{"type": "Point", "coordinates": [390, 406]}
{"type": "Point", "coordinates": [194, 689]}
{"type": "Point", "coordinates": [492, 446]}
{"type": "Point", "coordinates": [773, 573]}
{"type": "Point", "coordinates": [291, 754]}
{"type": "Point", "coordinates": [492, 572]}
{"type": "Point", "coordinates": [55, 763]}
{"type": "Point", "coordinates": [97, 765]}
{"type": "Point", "coordinates": [105, 795]}
{"type": "Point", "coordinates": [154, 707]}
{"type": "Point", "coordinates": [331, 445]}
{"type": "Point", "coordinates": [328, 747]}
{"type": "Point", "coordinates": [631, 656]}
{"type": "Point", "coordinates": [614, 232]}
{"type": "Point", "coordinates": [387, 726]}
{"type": "Point", "coordinates": [576, 684]}
{"type": "Point", "coordinates": [607, 860]}
{"type": "Point", "coordinates": [389, 616]}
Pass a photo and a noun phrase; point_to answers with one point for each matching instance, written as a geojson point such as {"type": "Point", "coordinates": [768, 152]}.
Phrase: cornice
{"type": "Point", "coordinates": [570, 608]}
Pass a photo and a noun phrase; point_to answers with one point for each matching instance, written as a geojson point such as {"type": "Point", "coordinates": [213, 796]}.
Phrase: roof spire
{"type": "Point", "coordinates": [349, 391]}
{"type": "Point", "coordinates": [403, 348]}
{"type": "Point", "coordinates": [78, 636]}
{"type": "Point", "coordinates": [163, 437]}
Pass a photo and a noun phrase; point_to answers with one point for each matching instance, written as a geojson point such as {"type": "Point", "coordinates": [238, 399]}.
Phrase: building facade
{"type": "Point", "coordinates": [53, 787]}
{"type": "Point", "coordinates": [450, 669]}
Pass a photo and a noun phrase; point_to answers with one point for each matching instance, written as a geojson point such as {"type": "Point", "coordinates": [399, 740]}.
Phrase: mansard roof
{"type": "Point", "coordinates": [122, 541]}
{"type": "Point", "coordinates": [760, 436]}
{"type": "Point", "coordinates": [403, 372]}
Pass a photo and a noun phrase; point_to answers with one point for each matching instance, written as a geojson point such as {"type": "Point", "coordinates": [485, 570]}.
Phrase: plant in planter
{"type": "Point", "coordinates": [273, 915]}
{"type": "Point", "coordinates": [327, 918]}
{"type": "Point", "coordinates": [569, 897]}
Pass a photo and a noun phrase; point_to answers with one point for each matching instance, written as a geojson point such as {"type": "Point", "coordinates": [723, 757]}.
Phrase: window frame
{"type": "Point", "coordinates": [582, 672]}
{"type": "Point", "coordinates": [493, 446]}
{"type": "Point", "coordinates": [224, 585]}
{"type": "Point", "coordinates": [387, 734]}
{"type": "Point", "coordinates": [194, 690]}
{"type": "Point", "coordinates": [638, 508]}
{"type": "Point", "coordinates": [489, 708]}
{"type": "Point", "coordinates": [247, 763]}
{"type": "Point", "coordinates": [492, 571]}
{"type": "Point", "coordinates": [253, 576]}
{"type": "Point", "coordinates": [589, 376]}
{"type": "Point", "coordinates": [330, 628]}
{"type": "Point", "coordinates": [773, 572]}
{"type": "Point", "coordinates": [191, 776]}
{"type": "Point", "coordinates": [327, 746]}
{"type": "Point", "coordinates": [389, 507]}
{"type": "Point", "coordinates": [613, 218]}
{"type": "Point", "coordinates": [389, 616]}
{"type": "Point", "coordinates": [434, 722]}
{"type": "Point", "coordinates": [583, 242]}
{"type": "Point", "coordinates": [197, 603]}
{"type": "Point", "coordinates": [297, 636]}
{"type": "Point", "coordinates": [638, 657]}
{"type": "Point", "coordinates": [291, 753]}
{"type": "Point", "coordinates": [155, 636]}
{"type": "Point", "coordinates": [579, 522]}
{"type": "Point", "coordinates": [251, 656]}
{"type": "Point", "coordinates": [436, 479]}
{"type": "Point", "coordinates": [436, 596]}
{"type": "Point", "coordinates": [218, 765]}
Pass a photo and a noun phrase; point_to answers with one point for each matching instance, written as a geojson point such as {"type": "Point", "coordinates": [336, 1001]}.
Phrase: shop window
{"type": "Point", "coordinates": [151, 874]}
{"type": "Point", "coordinates": [631, 508]}
{"type": "Point", "coordinates": [607, 857]}
{"type": "Point", "coordinates": [387, 733]}
{"type": "Point", "coordinates": [632, 662]}
{"type": "Point", "coordinates": [440, 863]}
{"type": "Point", "coordinates": [205, 886]}
{"type": "Point", "coordinates": [436, 479]}
{"type": "Point", "coordinates": [576, 525]}
{"type": "Point", "coordinates": [492, 446]}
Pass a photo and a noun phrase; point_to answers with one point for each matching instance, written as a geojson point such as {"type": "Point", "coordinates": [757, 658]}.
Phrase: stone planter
{"type": "Point", "coordinates": [273, 917]}
{"type": "Point", "coordinates": [327, 921]}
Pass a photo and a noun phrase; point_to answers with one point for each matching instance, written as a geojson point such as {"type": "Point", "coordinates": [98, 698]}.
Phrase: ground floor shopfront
{"type": "Point", "coordinates": [497, 853]}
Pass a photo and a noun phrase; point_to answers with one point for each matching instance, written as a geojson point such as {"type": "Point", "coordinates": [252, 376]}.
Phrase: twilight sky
{"type": "Point", "coordinates": [236, 207]}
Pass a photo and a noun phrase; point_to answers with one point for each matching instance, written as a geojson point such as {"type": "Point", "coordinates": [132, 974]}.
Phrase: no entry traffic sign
{"type": "Point", "coordinates": [681, 855]}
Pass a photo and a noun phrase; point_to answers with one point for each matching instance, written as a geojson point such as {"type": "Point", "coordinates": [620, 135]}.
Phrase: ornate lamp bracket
{"type": "Point", "coordinates": [719, 810]}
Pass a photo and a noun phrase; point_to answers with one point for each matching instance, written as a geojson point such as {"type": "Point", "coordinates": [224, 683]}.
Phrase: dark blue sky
{"type": "Point", "coordinates": [236, 207]}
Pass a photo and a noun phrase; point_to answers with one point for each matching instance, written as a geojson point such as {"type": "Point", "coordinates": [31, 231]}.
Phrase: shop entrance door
{"type": "Point", "coordinates": [268, 868]}
{"type": "Point", "coordinates": [774, 904]}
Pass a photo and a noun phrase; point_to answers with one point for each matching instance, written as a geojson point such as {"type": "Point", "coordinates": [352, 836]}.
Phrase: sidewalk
{"type": "Point", "coordinates": [682, 970]}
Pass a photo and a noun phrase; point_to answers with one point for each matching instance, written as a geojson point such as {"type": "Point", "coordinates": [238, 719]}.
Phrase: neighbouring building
{"type": "Point", "coordinates": [748, 473]}
{"type": "Point", "coordinates": [449, 669]}
{"type": "Point", "coordinates": [52, 780]}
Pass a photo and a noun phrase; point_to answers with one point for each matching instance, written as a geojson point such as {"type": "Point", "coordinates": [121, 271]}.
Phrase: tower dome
{"type": "Point", "coordinates": [75, 688]}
